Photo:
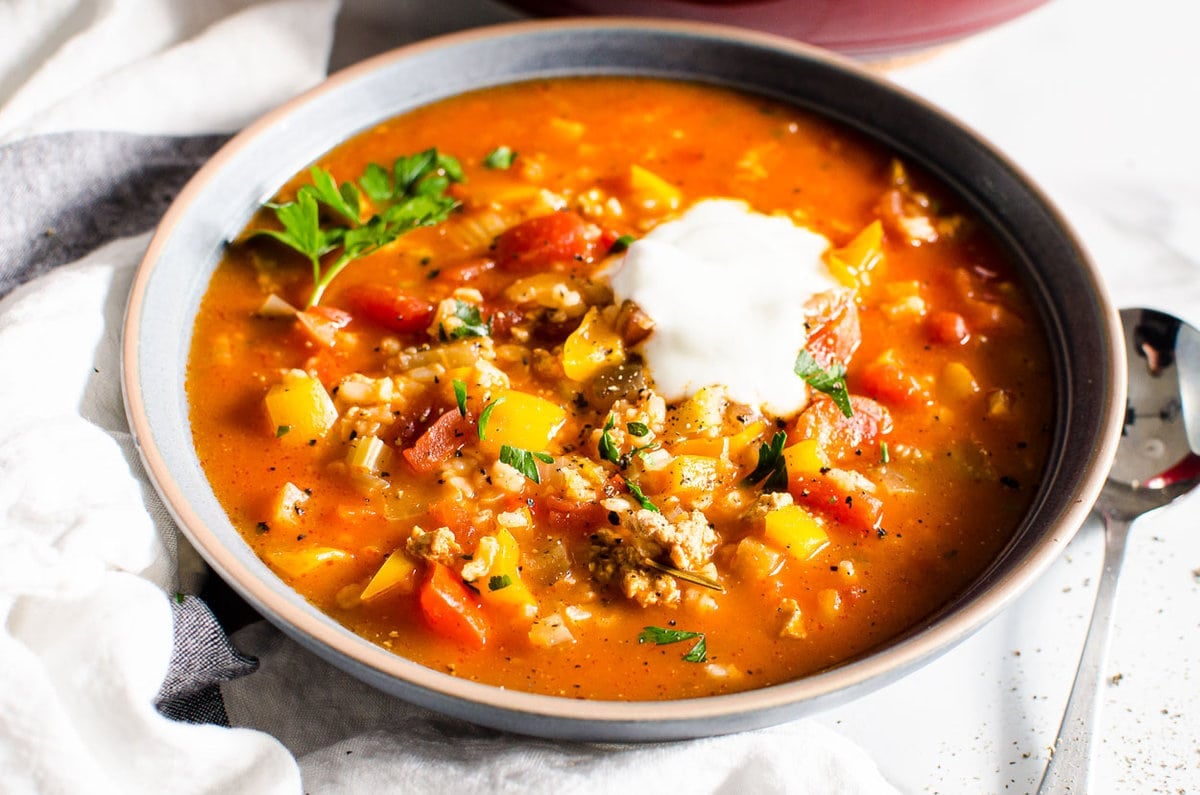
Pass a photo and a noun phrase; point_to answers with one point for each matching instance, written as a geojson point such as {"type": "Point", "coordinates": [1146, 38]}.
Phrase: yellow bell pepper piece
{"type": "Point", "coordinates": [806, 457]}
{"type": "Point", "coordinates": [652, 190]}
{"type": "Point", "coordinates": [693, 474]}
{"type": "Point", "coordinates": [301, 562]}
{"type": "Point", "coordinates": [299, 409]}
{"type": "Point", "coordinates": [591, 347]}
{"type": "Point", "coordinates": [957, 382]}
{"type": "Point", "coordinates": [519, 419]}
{"type": "Point", "coordinates": [703, 414]}
{"type": "Point", "coordinates": [755, 560]}
{"type": "Point", "coordinates": [796, 531]}
{"type": "Point", "coordinates": [397, 574]}
{"type": "Point", "coordinates": [711, 448]}
{"type": "Point", "coordinates": [853, 263]}
{"type": "Point", "coordinates": [503, 586]}
{"type": "Point", "coordinates": [745, 438]}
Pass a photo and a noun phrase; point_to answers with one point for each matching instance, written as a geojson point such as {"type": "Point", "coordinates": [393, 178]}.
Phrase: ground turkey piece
{"type": "Point", "coordinates": [440, 546]}
{"type": "Point", "coordinates": [618, 556]}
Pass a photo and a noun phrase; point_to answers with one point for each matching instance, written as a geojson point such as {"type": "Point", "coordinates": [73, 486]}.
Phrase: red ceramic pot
{"type": "Point", "coordinates": [861, 28]}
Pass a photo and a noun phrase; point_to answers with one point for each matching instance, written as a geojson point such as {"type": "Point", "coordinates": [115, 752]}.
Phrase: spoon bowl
{"type": "Point", "coordinates": [1157, 462]}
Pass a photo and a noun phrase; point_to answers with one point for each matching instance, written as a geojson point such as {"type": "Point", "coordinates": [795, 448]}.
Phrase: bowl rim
{"type": "Point", "coordinates": [559, 716]}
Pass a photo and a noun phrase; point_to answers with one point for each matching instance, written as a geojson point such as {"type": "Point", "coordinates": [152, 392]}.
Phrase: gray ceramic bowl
{"type": "Point", "coordinates": [1081, 326]}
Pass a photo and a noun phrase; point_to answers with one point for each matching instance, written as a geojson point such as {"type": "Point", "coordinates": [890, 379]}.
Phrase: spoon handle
{"type": "Point", "coordinates": [1070, 767]}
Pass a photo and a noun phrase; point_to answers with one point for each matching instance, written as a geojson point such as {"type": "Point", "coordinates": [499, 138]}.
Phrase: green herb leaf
{"type": "Point", "coordinates": [884, 454]}
{"type": "Point", "coordinates": [460, 396]}
{"type": "Point", "coordinates": [699, 652]}
{"type": "Point", "coordinates": [621, 243]}
{"type": "Point", "coordinates": [376, 182]}
{"type": "Point", "coordinates": [608, 448]}
{"type": "Point", "coordinates": [486, 415]}
{"type": "Point", "coordinates": [638, 429]}
{"type": "Point", "coordinates": [499, 582]}
{"type": "Point", "coordinates": [179, 597]}
{"type": "Point", "coordinates": [412, 197]}
{"type": "Point", "coordinates": [500, 158]}
{"type": "Point", "coordinates": [832, 381]}
{"type": "Point", "coordinates": [344, 200]}
{"type": "Point", "coordinates": [638, 495]}
{"type": "Point", "coordinates": [282, 430]}
{"type": "Point", "coordinates": [772, 467]}
{"type": "Point", "coordinates": [660, 637]}
{"type": "Point", "coordinates": [524, 461]}
{"type": "Point", "coordinates": [472, 321]}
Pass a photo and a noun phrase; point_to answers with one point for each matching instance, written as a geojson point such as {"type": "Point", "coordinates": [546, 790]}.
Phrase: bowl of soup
{"type": "Point", "coordinates": [616, 380]}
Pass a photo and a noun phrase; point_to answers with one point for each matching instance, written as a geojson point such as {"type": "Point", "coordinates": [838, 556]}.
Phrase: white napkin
{"type": "Point", "coordinates": [87, 552]}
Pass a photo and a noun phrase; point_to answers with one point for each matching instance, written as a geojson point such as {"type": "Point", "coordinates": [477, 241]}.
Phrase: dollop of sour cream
{"type": "Point", "coordinates": [725, 286]}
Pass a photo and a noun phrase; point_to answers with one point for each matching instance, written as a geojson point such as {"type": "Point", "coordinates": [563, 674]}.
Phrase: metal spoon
{"type": "Point", "coordinates": [1158, 460]}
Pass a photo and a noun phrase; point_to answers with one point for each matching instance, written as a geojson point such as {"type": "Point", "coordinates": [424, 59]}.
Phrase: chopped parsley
{"type": "Point", "coordinates": [638, 429]}
{"type": "Point", "coordinates": [411, 196]}
{"type": "Point", "coordinates": [772, 467]}
{"type": "Point", "coordinates": [486, 415]}
{"type": "Point", "coordinates": [472, 323]}
{"type": "Point", "coordinates": [524, 461]}
{"type": "Point", "coordinates": [638, 495]}
{"type": "Point", "coordinates": [608, 449]}
{"type": "Point", "coordinates": [460, 396]}
{"type": "Point", "coordinates": [500, 158]}
{"type": "Point", "coordinates": [499, 582]}
{"type": "Point", "coordinates": [884, 454]}
{"type": "Point", "coordinates": [661, 637]}
{"type": "Point", "coordinates": [621, 243]}
{"type": "Point", "coordinates": [831, 381]}
{"type": "Point", "coordinates": [282, 430]}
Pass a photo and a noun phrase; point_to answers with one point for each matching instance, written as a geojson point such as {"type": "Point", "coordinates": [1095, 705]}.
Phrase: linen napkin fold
{"type": "Point", "coordinates": [92, 636]}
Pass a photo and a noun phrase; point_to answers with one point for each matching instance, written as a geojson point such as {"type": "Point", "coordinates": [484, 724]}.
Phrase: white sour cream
{"type": "Point", "coordinates": [725, 286]}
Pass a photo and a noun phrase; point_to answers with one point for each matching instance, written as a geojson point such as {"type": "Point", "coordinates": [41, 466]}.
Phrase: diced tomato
{"type": "Point", "coordinates": [834, 333]}
{"type": "Point", "coordinates": [390, 307]}
{"type": "Point", "coordinates": [948, 328]}
{"type": "Point", "coordinates": [841, 495]}
{"type": "Point", "coordinates": [502, 320]}
{"type": "Point", "coordinates": [447, 434]}
{"type": "Point", "coordinates": [451, 609]}
{"type": "Point", "coordinates": [456, 515]}
{"type": "Point", "coordinates": [841, 437]}
{"type": "Point", "coordinates": [321, 323]}
{"type": "Point", "coordinates": [571, 517]}
{"type": "Point", "coordinates": [885, 381]}
{"type": "Point", "coordinates": [559, 241]}
{"type": "Point", "coordinates": [464, 272]}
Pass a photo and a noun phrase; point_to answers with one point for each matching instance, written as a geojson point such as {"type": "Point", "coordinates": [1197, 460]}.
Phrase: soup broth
{"type": "Point", "coordinates": [462, 449]}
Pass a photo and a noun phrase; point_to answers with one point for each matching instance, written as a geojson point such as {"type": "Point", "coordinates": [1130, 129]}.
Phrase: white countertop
{"type": "Point", "coordinates": [1099, 101]}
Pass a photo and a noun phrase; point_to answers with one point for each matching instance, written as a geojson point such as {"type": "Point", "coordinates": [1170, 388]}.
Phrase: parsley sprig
{"type": "Point", "coordinates": [460, 396]}
{"type": "Point", "coordinates": [471, 323]}
{"type": "Point", "coordinates": [608, 448]}
{"type": "Point", "coordinates": [524, 461]}
{"type": "Point", "coordinates": [636, 492]}
{"type": "Point", "coordinates": [501, 158]}
{"type": "Point", "coordinates": [772, 467]}
{"type": "Point", "coordinates": [831, 381]}
{"type": "Point", "coordinates": [661, 637]}
{"type": "Point", "coordinates": [412, 195]}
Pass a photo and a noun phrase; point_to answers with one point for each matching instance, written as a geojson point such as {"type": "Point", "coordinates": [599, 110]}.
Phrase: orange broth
{"type": "Point", "coordinates": [951, 357]}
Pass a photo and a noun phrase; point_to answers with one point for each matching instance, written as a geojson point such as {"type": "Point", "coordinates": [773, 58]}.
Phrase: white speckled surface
{"type": "Point", "coordinates": [1100, 101]}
